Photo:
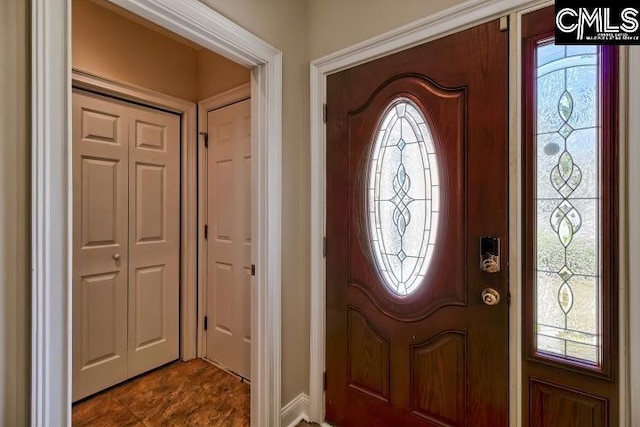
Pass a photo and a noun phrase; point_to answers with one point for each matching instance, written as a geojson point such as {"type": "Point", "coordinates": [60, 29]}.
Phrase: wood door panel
{"type": "Point", "coordinates": [459, 85]}
{"type": "Point", "coordinates": [444, 110]}
{"type": "Point", "coordinates": [368, 357]}
{"type": "Point", "coordinates": [99, 126]}
{"type": "Point", "coordinates": [150, 203]}
{"type": "Point", "coordinates": [553, 405]}
{"type": "Point", "coordinates": [150, 136]}
{"type": "Point", "coordinates": [149, 287]}
{"type": "Point", "coordinates": [99, 195]}
{"type": "Point", "coordinates": [101, 319]}
{"type": "Point", "coordinates": [439, 377]}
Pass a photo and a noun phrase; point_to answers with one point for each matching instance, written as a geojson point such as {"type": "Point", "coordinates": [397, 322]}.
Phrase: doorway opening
{"type": "Point", "coordinates": [136, 306]}
{"type": "Point", "coordinates": [53, 190]}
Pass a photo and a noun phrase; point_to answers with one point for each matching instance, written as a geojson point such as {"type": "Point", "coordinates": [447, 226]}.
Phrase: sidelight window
{"type": "Point", "coordinates": [569, 182]}
{"type": "Point", "coordinates": [568, 242]}
{"type": "Point", "coordinates": [403, 197]}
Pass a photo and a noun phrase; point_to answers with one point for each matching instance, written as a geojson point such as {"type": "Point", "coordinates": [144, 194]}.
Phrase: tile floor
{"type": "Point", "coordinates": [191, 394]}
{"type": "Point", "coordinates": [180, 394]}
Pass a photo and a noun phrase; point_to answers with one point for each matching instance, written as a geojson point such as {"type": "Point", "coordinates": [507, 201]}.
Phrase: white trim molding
{"type": "Point", "coordinates": [223, 99]}
{"type": "Point", "coordinates": [295, 411]}
{"type": "Point", "coordinates": [51, 190]}
{"type": "Point", "coordinates": [454, 19]}
{"type": "Point", "coordinates": [188, 183]}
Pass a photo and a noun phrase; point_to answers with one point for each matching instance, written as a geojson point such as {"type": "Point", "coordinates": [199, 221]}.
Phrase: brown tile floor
{"type": "Point", "coordinates": [181, 394]}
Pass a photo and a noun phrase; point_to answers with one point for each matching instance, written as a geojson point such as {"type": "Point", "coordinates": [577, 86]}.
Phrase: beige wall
{"type": "Point", "coordinates": [108, 44]}
{"type": "Point", "coordinates": [216, 74]}
{"type": "Point", "coordinates": [336, 24]}
{"type": "Point", "coordinates": [14, 215]}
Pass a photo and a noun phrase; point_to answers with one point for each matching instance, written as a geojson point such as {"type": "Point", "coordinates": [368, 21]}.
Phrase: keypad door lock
{"type": "Point", "coordinates": [490, 254]}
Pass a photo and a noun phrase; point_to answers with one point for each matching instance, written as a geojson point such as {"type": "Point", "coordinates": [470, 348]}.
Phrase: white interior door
{"type": "Point", "coordinates": [126, 240]}
{"type": "Point", "coordinates": [154, 238]}
{"type": "Point", "coordinates": [228, 336]}
{"type": "Point", "coordinates": [100, 246]}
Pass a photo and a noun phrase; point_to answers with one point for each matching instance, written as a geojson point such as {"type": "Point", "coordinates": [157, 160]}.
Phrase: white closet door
{"type": "Point", "coordinates": [229, 281]}
{"type": "Point", "coordinates": [100, 221]}
{"type": "Point", "coordinates": [154, 238]}
{"type": "Point", "coordinates": [126, 240]}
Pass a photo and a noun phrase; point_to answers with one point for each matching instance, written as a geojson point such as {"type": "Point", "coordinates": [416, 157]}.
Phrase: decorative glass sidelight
{"type": "Point", "coordinates": [568, 277]}
{"type": "Point", "coordinates": [403, 197]}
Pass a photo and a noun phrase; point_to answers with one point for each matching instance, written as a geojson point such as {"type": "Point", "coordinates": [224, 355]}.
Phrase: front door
{"type": "Point", "coordinates": [417, 174]}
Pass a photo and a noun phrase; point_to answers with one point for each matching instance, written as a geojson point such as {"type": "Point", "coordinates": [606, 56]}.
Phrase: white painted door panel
{"type": "Point", "coordinates": [126, 242]}
{"type": "Point", "coordinates": [100, 246]}
{"type": "Point", "coordinates": [229, 280]}
{"type": "Point", "coordinates": [154, 238]}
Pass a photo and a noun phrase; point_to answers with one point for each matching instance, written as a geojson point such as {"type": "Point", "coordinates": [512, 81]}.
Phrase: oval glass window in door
{"type": "Point", "coordinates": [403, 197]}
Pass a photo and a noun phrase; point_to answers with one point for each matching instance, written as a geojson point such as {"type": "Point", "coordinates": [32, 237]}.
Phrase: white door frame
{"type": "Point", "coordinates": [230, 96]}
{"type": "Point", "coordinates": [454, 19]}
{"type": "Point", "coordinates": [51, 195]}
{"type": "Point", "coordinates": [188, 180]}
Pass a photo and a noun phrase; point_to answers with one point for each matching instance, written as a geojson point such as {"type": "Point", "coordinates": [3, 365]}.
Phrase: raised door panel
{"type": "Point", "coordinates": [553, 405]}
{"type": "Point", "coordinates": [154, 238]}
{"type": "Point", "coordinates": [229, 278]}
{"type": "Point", "coordinates": [368, 357]}
{"type": "Point", "coordinates": [99, 295]}
{"type": "Point", "coordinates": [438, 379]}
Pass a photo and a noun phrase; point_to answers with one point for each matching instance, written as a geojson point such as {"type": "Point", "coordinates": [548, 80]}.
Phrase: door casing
{"type": "Point", "coordinates": [457, 18]}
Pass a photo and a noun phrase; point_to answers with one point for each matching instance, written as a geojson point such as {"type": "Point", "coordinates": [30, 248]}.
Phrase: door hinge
{"type": "Point", "coordinates": [206, 322]}
{"type": "Point", "coordinates": [324, 381]}
{"type": "Point", "coordinates": [253, 269]}
{"type": "Point", "coordinates": [324, 246]}
{"type": "Point", "coordinates": [504, 23]}
{"type": "Point", "coordinates": [324, 113]}
{"type": "Point", "coordinates": [205, 135]}
{"type": "Point", "coordinates": [206, 231]}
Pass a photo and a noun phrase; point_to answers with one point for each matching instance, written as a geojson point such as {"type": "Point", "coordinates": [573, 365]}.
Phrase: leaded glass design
{"type": "Point", "coordinates": [568, 200]}
{"type": "Point", "coordinates": [403, 197]}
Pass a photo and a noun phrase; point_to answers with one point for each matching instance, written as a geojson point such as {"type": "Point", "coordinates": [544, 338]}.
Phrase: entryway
{"type": "Point", "coordinates": [471, 277]}
{"type": "Point", "coordinates": [138, 165]}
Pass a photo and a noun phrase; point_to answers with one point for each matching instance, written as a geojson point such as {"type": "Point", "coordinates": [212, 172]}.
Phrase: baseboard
{"type": "Point", "coordinates": [295, 411]}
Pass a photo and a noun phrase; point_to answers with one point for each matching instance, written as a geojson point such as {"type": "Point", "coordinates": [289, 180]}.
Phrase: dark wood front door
{"type": "Point", "coordinates": [417, 173]}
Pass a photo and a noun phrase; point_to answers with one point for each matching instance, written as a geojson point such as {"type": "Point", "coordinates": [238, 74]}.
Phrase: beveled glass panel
{"type": "Point", "coordinates": [568, 199]}
{"type": "Point", "coordinates": [403, 197]}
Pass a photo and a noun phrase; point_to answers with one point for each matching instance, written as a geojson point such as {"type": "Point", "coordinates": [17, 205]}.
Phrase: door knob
{"type": "Point", "coordinates": [490, 296]}
{"type": "Point", "coordinates": [116, 257]}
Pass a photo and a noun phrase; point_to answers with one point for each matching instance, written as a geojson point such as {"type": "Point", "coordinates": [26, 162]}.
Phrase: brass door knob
{"type": "Point", "coordinates": [490, 296]}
